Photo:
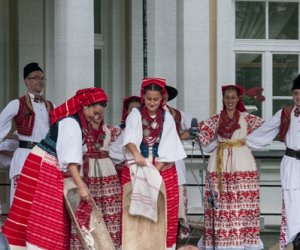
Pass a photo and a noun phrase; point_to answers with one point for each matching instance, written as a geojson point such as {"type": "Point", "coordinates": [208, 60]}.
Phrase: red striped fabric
{"type": "Point", "coordinates": [38, 215]}
{"type": "Point", "coordinates": [15, 226]}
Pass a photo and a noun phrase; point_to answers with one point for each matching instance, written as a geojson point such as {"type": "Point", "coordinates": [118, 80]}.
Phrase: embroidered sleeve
{"type": "Point", "coordinates": [253, 122]}
{"type": "Point", "coordinates": [115, 132]}
{"type": "Point", "coordinates": [208, 129]}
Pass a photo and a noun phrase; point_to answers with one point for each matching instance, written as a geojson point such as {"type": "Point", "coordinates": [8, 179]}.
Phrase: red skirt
{"type": "Point", "coordinates": [38, 215]}
{"type": "Point", "coordinates": [169, 177]}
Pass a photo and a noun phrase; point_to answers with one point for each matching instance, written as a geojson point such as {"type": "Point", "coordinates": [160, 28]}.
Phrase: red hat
{"type": "Point", "coordinates": [83, 97]}
{"type": "Point", "coordinates": [157, 81]}
{"type": "Point", "coordinates": [240, 89]}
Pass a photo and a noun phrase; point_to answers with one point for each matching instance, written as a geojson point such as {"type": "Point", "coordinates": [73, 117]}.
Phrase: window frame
{"type": "Point", "coordinates": [228, 46]}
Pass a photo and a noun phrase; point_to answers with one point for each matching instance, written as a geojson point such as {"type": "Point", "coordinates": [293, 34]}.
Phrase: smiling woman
{"type": "Point", "coordinates": [149, 179]}
{"type": "Point", "coordinates": [233, 176]}
{"type": "Point", "coordinates": [37, 217]}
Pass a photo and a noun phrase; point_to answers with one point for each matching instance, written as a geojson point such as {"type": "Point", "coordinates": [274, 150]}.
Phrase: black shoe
{"type": "Point", "coordinates": [296, 242]}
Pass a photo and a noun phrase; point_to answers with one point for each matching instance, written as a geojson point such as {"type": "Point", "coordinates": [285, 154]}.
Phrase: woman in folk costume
{"type": "Point", "coordinates": [285, 124]}
{"type": "Point", "coordinates": [38, 218]}
{"type": "Point", "coordinates": [100, 175]}
{"type": "Point", "coordinates": [234, 177]}
{"type": "Point", "coordinates": [151, 145]}
{"type": "Point", "coordinates": [129, 103]}
{"type": "Point", "coordinates": [115, 151]}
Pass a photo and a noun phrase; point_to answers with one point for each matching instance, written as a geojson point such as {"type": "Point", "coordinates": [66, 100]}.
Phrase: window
{"type": "Point", "coordinates": [266, 50]}
{"type": "Point", "coordinates": [266, 20]}
{"type": "Point", "coordinates": [249, 74]}
{"type": "Point", "coordinates": [284, 68]}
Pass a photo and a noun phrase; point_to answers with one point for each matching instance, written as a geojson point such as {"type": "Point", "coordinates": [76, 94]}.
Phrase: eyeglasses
{"type": "Point", "coordinates": [103, 104]}
{"type": "Point", "coordinates": [36, 78]}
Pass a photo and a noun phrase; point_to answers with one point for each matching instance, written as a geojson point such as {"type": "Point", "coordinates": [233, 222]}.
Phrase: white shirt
{"type": "Point", "coordinates": [170, 148]}
{"type": "Point", "coordinates": [262, 136]}
{"type": "Point", "coordinates": [40, 129]}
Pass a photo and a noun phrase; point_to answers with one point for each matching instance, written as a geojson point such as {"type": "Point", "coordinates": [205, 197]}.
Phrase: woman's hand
{"type": "Point", "coordinates": [160, 165]}
{"type": "Point", "coordinates": [83, 193]}
{"type": "Point", "coordinates": [140, 160]}
{"type": "Point", "coordinates": [82, 189]}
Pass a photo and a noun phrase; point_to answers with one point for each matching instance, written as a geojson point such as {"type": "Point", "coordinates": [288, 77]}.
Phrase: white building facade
{"type": "Point", "coordinates": [196, 45]}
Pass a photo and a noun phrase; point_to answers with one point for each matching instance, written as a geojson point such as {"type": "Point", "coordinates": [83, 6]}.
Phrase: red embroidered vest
{"type": "Point", "coordinates": [284, 122]}
{"type": "Point", "coordinates": [24, 120]}
{"type": "Point", "coordinates": [177, 117]}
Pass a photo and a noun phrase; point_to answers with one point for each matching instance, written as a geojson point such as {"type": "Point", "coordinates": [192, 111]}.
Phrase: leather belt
{"type": "Point", "coordinates": [293, 153]}
{"type": "Point", "coordinates": [27, 144]}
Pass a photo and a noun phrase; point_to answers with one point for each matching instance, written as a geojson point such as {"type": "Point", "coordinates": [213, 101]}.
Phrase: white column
{"type": "Point", "coordinates": [3, 53]}
{"type": "Point", "coordinates": [73, 47]}
{"type": "Point", "coordinates": [162, 35]}
{"type": "Point", "coordinates": [225, 39]}
{"type": "Point", "coordinates": [193, 57]}
{"type": "Point", "coordinates": [136, 44]}
{"type": "Point", "coordinates": [30, 35]}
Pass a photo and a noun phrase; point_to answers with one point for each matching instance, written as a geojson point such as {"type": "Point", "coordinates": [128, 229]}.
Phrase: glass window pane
{"type": "Point", "coordinates": [250, 20]}
{"type": "Point", "coordinates": [283, 20]}
{"type": "Point", "coordinates": [97, 16]}
{"type": "Point", "coordinates": [249, 75]}
{"type": "Point", "coordinates": [98, 67]}
{"type": "Point", "coordinates": [278, 104]}
{"type": "Point", "coordinates": [285, 69]}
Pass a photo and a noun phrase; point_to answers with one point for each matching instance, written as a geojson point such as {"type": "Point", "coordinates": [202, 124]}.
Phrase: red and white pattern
{"type": "Point", "coordinates": [208, 129]}
{"type": "Point", "coordinates": [104, 185]}
{"type": "Point", "coordinates": [283, 228]}
{"type": "Point", "coordinates": [237, 216]}
{"type": "Point", "coordinates": [38, 215]}
{"type": "Point", "coordinates": [253, 122]}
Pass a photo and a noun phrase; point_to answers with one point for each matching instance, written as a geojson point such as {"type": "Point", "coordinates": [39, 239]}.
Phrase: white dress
{"type": "Point", "coordinates": [289, 172]}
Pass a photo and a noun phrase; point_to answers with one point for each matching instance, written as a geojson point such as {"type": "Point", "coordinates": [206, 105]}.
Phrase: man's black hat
{"type": "Point", "coordinates": [172, 92]}
{"type": "Point", "coordinates": [296, 83]}
{"type": "Point", "coordinates": [30, 67]}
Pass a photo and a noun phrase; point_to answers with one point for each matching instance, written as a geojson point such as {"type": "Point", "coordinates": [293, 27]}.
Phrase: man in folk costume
{"type": "Point", "coordinates": [286, 124]}
{"type": "Point", "coordinates": [149, 181]}
{"type": "Point", "coordinates": [183, 123]}
{"type": "Point", "coordinates": [30, 113]}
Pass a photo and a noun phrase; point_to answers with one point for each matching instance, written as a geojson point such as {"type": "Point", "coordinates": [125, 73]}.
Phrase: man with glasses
{"type": "Point", "coordinates": [30, 114]}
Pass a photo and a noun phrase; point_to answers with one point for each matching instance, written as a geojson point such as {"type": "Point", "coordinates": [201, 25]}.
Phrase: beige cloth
{"type": "Point", "coordinates": [146, 182]}
{"type": "Point", "coordinates": [141, 233]}
{"type": "Point", "coordinates": [98, 237]}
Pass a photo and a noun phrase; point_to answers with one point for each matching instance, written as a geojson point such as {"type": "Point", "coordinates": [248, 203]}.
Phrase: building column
{"type": "Point", "coordinates": [73, 63]}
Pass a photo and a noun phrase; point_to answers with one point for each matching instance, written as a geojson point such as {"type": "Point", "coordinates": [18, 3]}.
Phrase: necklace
{"type": "Point", "coordinates": [148, 126]}
{"type": "Point", "coordinates": [99, 141]}
{"type": "Point", "coordinates": [96, 137]}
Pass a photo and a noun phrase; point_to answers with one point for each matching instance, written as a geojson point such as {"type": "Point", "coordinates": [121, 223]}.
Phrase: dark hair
{"type": "Point", "coordinates": [131, 100]}
{"type": "Point", "coordinates": [103, 104]}
{"type": "Point", "coordinates": [153, 87]}
{"type": "Point", "coordinates": [231, 88]}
